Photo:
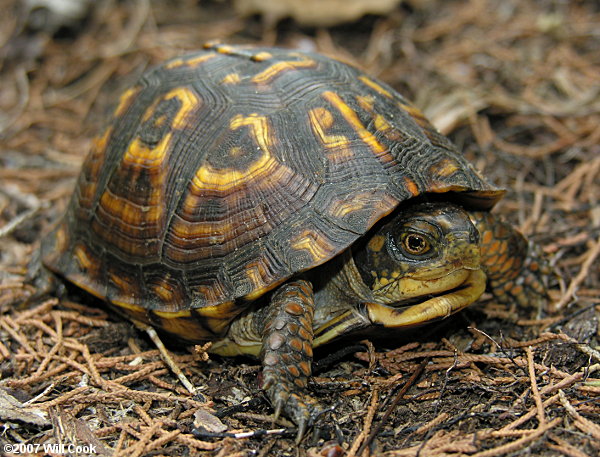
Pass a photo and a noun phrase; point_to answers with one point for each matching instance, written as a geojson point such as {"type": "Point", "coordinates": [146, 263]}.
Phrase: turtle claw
{"type": "Point", "coordinates": [298, 406]}
{"type": "Point", "coordinates": [301, 431]}
{"type": "Point", "coordinates": [278, 409]}
{"type": "Point", "coordinates": [306, 414]}
{"type": "Point", "coordinates": [294, 404]}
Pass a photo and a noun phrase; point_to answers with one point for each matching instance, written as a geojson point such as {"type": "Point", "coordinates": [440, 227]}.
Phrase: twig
{"type": "Point", "coordinates": [565, 448]}
{"type": "Point", "coordinates": [169, 360]}
{"type": "Point", "coordinates": [518, 444]}
{"type": "Point", "coordinates": [534, 388]}
{"type": "Point", "coordinates": [413, 378]}
{"type": "Point", "coordinates": [366, 426]}
{"type": "Point", "coordinates": [581, 276]}
{"type": "Point", "coordinates": [580, 422]}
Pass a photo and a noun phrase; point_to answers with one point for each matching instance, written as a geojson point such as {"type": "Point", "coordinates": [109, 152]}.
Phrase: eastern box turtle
{"type": "Point", "coordinates": [272, 200]}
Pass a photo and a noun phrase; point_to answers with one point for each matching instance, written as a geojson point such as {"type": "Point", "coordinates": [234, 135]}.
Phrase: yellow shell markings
{"type": "Point", "coordinates": [238, 51]}
{"type": "Point", "coordinates": [164, 291]}
{"type": "Point", "coordinates": [236, 151]}
{"type": "Point", "coordinates": [265, 171]}
{"type": "Point", "coordinates": [61, 240]}
{"type": "Point", "coordinates": [121, 208]}
{"type": "Point", "coordinates": [314, 244]}
{"type": "Point", "coordinates": [189, 61]}
{"type": "Point", "coordinates": [89, 268]}
{"type": "Point", "coordinates": [219, 317]}
{"type": "Point", "coordinates": [444, 168]}
{"type": "Point", "coordinates": [189, 103]}
{"type": "Point", "coordinates": [411, 186]}
{"type": "Point", "coordinates": [375, 86]}
{"type": "Point", "coordinates": [197, 324]}
{"type": "Point", "coordinates": [266, 175]}
{"type": "Point", "coordinates": [208, 177]}
{"type": "Point", "coordinates": [83, 257]}
{"type": "Point", "coordinates": [210, 293]}
{"type": "Point", "coordinates": [379, 150]}
{"type": "Point", "coordinates": [358, 202]}
{"type": "Point", "coordinates": [123, 213]}
{"type": "Point", "coordinates": [322, 120]}
{"type": "Point", "coordinates": [86, 271]}
{"type": "Point", "coordinates": [261, 56]}
{"type": "Point", "coordinates": [258, 274]}
{"type": "Point", "coordinates": [173, 314]}
{"type": "Point", "coordinates": [125, 100]}
{"type": "Point", "coordinates": [366, 102]}
{"type": "Point", "coordinates": [220, 48]}
{"type": "Point", "coordinates": [120, 211]}
{"type": "Point", "coordinates": [267, 75]}
{"type": "Point", "coordinates": [231, 78]}
{"type": "Point", "coordinates": [168, 289]}
{"type": "Point", "coordinates": [193, 324]}
{"type": "Point", "coordinates": [222, 310]}
{"type": "Point", "coordinates": [350, 115]}
{"type": "Point", "coordinates": [381, 123]}
{"type": "Point", "coordinates": [140, 154]}
{"type": "Point", "coordinates": [126, 285]}
{"type": "Point", "coordinates": [92, 168]}
{"type": "Point", "coordinates": [134, 310]}
{"type": "Point", "coordinates": [417, 116]}
{"type": "Point", "coordinates": [189, 329]}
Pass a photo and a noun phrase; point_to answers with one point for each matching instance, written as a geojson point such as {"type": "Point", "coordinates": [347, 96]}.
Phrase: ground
{"type": "Point", "coordinates": [514, 84]}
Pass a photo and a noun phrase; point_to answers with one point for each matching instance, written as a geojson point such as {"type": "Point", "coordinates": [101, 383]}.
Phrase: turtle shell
{"type": "Point", "coordinates": [224, 172]}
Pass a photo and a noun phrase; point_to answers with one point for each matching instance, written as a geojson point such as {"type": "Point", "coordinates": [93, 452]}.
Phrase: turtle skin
{"type": "Point", "coordinates": [252, 196]}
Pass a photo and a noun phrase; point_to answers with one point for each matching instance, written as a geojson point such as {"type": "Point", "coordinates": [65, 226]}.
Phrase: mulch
{"type": "Point", "coordinates": [514, 84]}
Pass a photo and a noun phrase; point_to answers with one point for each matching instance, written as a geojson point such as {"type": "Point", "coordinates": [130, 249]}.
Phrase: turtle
{"type": "Point", "coordinates": [272, 200]}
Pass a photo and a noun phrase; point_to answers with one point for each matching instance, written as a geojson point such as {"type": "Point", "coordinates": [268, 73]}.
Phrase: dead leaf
{"type": "Point", "coordinates": [12, 409]}
{"type": "Point", "coordinates": [208, 421]}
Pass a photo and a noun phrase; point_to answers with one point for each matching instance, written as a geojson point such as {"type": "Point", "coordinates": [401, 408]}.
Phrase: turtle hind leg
{"type": "Point", "coordinates": [287, 353]}
{"type": "Point", "coordinates": [516, 270]}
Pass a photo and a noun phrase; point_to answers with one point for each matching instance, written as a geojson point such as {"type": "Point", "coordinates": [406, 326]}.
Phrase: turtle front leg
{"type": "Point", "coordinates": [516, 269]}
{"type": "Point", "coordinates": [286, 352]}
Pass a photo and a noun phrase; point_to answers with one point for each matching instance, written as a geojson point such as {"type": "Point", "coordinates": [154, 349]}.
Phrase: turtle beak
{"type": "Point", "coordinates": [433, 309]}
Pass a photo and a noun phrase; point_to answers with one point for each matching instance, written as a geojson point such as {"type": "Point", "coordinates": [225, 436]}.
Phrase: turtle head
{"type": "Point", "coordinates": [421, 265]}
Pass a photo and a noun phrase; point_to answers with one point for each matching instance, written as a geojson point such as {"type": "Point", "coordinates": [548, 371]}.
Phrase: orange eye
{"type": "Point", "coordinates": [415, 244]}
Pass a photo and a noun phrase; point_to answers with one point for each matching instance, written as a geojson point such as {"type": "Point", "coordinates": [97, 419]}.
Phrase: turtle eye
{"type": "Point", "coordinates": [415, 244]}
